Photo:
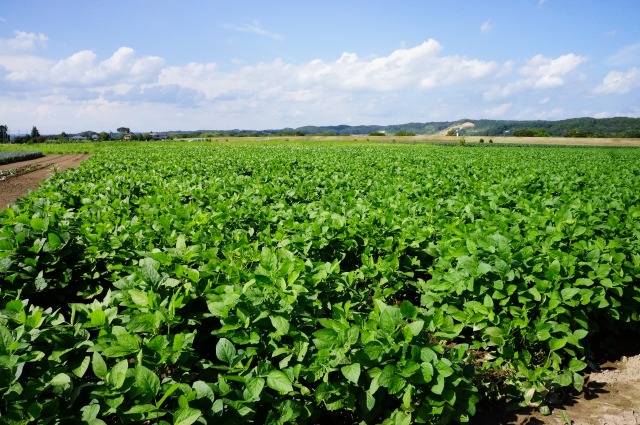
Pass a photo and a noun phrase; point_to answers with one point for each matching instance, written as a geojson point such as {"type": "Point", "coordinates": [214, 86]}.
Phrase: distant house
{"type": "Point", "coordinates": [127, 136]}
{"type": "Point", "coordinates": [157, 136]}
{"type": "Point", "coordinates": [77, 138]}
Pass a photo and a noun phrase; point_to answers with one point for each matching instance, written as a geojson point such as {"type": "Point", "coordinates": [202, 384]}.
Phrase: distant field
{"type": "Point", "coordinates": [94, 147]}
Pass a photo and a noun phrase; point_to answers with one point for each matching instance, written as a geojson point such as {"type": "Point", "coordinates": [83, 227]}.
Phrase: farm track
{"type": "Point", "coordinates": [30, 173]}
{"type": "Point", "coordinates": [611, 397]}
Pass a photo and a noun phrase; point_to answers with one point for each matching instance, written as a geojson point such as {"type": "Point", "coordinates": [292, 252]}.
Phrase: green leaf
{"type": "Point", "coordinates": [97, 318]}
{"type": "Point", "coordinates": [98, 366]}
{"type": "Point", "coordinates": [253, 388]}
{"type": "Point", "coordinates": [61, 380]}
{"type": "Point", "coordinates": [443, 368]}
{"type": "Point", "coordinates": [203, 390]}
{"type": "Point", "coordinates": [408, 310]}
{"type": "Point", "coordinates": [576, 365]}
{"type": "Point", "coordinates": [225, 351]}
{"type": "Point", "coordinates": [351, 372]}
{"type": "Point", "coordinates": [568, 293]}
{"type": "Point", "coordinates": [416, 327]}
{"type": "Point", "coordinates": [279, 382]}
{"type": "Point", "coordinates": [186, 416]}
{"type": "Point", "coordinates": [54, 242]}
{"type": "Point", "coordinates": [82, 367]}
{"type": "Point", "coordinates": [557, 343]}
{"type": "Point", "coordinates": [146, 381]}
{"type": "Point", "coordinates": [580, 333]}
{"type": "Point", "coordinates": [38, 224]}
{"type": "Point", "coordinates": [484, 268]}
{"type": "Point", "coordinates": [438, 388]}
{"type": "Point", "coordinates": [117, 374]}
{"type": "Point", "coordinates": [280, 323]}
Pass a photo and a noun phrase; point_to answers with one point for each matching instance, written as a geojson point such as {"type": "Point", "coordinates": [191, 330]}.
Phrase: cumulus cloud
{"type": "Point", "coordinates": [616, 82]}
{"type": "Point", "coordinates": [81, 70]}
{"type": "Point", "coordinates": [539, 73]}
{"type": "Point", "coordinates": [23, 42]}
{"type": "Point", "coordinates": [419, 68]}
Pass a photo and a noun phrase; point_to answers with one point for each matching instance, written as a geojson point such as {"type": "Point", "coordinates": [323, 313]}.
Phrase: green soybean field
{"type": "Point", "coordinates": [299, 283]}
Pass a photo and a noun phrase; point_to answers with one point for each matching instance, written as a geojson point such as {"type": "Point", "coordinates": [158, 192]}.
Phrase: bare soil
{"type": "Point", "coordinates": [14, 187]}
{"type": "Point", "coordinates": [610, 397]}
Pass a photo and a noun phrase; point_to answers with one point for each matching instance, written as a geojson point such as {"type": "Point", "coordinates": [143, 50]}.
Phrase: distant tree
{"type": "Point", "coordinates": [531, 132]}
{"type": "Point", "coordinates": [104, 136]}
{"type": "Point", "coordinates": [576, 133]}
{"type": "Point", "coordinates": [451, 132]}
{"type": "Point", "coordinates": [4, 134]}
{"type": "Point", "coordinates": [63, 135]}
{"type": "Point", "coordinates": [377, 133]}
{"type": "Point", "coordinates": [35, 133]}
{"type": "Point", "coordinates": [124, 130]}
{"type": "Point", "coordinates": [404, 133]}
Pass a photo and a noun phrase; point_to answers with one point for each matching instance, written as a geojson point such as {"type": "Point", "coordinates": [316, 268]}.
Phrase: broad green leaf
{"type": "Point", "coordinates": [225, 351]}
{"type": "Point", "coordinates": [98, 365]}
{"type": "Point", "coordinates": [97, 318]}
{"type": "Point", "coordinates": [351, 372]}
{"type": "Point", "coordinates": [38, 224]}
{"type": "Point", "coordinates": [61, 380]}
{"type": "Point", "coordinates": [416, 327]}
{"type": "Point", "coordinates": [443, 368]}
{"type": "Point", "coordinates": [280, 324]}
{"type": "Point", "coordinates": [408, 310]}
{"type": "Point", "coordinates": [279, 382]}
{"type": "Point", "coordinates": [253, 388]}
{"type": "Point", "coordinates": [146, 381]}
{"type": "Point", "coordinates": [54, 242]}
{"type": "Point", "coordinates": [203, 390]}
{"type": "Point", "coordinates": [576, 365]}
{"type": "Point", "coordinates": [557, 343]}
{"type": "Point", "coordinates": [117, 374]}
{"type": "Point", "coordinates": [186, 416]}
{"type": "Point", "coordinates": [82, 367]}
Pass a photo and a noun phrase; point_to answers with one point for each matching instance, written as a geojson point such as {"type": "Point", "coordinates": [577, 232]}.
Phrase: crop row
{"type": "Point", "coordinates": [8, 157]}
{"type": "Point", "coordinates": [297, 284]}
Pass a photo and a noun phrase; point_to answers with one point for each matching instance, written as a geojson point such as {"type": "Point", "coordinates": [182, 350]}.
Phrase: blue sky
{"type": "Point", "coordinates": [75, 65]}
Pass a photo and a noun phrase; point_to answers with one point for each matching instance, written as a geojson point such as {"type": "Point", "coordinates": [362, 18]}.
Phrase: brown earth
{"type": "Point", "coordinates": [13, 187]}
{"type": "Point", "coordinates": [610, 397]}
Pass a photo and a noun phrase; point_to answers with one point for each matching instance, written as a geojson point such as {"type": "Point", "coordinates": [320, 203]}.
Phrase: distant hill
{"type": "Point", "coordinates": [575, 127]}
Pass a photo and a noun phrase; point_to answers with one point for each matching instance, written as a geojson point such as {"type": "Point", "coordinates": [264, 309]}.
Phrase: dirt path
{"type": "Point", "coordinates": [13, 187]}
{"type": "Point", "coordinates": [610, 397]}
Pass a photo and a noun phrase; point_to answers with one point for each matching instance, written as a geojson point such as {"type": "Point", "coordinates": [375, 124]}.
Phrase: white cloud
{"type": "Point", "coordinates": [616, 82]}
{"type": "Point", "coordinates": [417, 68]}
{"type": "Point", "coordinates": [23, 42]}
{"type": "Point", "coordinates": [254, 28]}
{"type": "Point", "coordinates": [498, 111]}
{"type": "Point", "coordinates": [81, 70]}
{"type": "Point", "coordinates": [539, 73]}
{"type": "Point", "coordinates": [415, 83]}
{"type": "Point", "coordinates": [2, 19]}
{"type": "Point", "coordinates": [486, 27]}
{"type": "Point", "coordinates": [628, 55]}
